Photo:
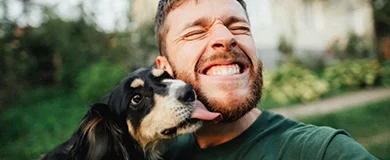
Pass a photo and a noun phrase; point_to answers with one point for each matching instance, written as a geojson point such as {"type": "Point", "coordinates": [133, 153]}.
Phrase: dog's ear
{"type": "Point", "coordinates": [105, 99]}
{"type": "Point", "coordinates": [116, 100]}
{"type": "Point", "coordinates": [98, 136]}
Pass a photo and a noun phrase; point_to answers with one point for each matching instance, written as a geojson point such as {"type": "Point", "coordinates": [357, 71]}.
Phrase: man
{"type": "Point", "coordinates": [209, 44]}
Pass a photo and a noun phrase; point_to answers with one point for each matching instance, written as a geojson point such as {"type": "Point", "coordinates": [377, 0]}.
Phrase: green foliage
{"type": "Point", "coordinates": [364, 123]}
{"type": "Point", "coordinates": [77, 45]}
{"type": "Point", "coordinates": [356, 47]}
{"type": "Point", "coordinates": [381, 16]}
{"type": "Point", "coordinates": [98, 80]}
{"type": "Point", "coordinates": [291, 83]}
{"type": "Point", "coordinates": [42, 119]}
{"type": "Point", "coordinates": [16, 65]}
{"type": "Point", "coordinates": [382, 26]}
{"type": "Point", "coordinates": [286, 48]}
{"type": "Point", "coordinates": [312, 61]}
{"type": "Point", "coordinates": [49, 55]}
{"type": "Point", "coordinates": [384, 74]}
{"type": "Point", "coordinates": [352, 74]}
{"type": "Point", "coordinates": [54, 54]}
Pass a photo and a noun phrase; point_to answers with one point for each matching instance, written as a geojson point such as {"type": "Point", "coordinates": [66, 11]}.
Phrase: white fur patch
{"type": "Point", "coordinates": [174, 86]}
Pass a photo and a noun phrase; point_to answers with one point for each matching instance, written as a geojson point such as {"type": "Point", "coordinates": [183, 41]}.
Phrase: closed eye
{"type": "Point", "coordinates": [194, 34]}
{"type": "Point", "coordinates": [239, 29]}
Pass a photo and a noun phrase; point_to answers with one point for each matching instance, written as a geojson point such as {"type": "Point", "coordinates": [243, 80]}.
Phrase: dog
{"type": "Point", "coordinates": [137, 120]}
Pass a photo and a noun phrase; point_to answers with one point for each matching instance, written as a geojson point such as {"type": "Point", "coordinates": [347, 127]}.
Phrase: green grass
{"type": "Point", "coordinates": [41, 120]}
{"type": "Point", "coordinates": [368, 124]}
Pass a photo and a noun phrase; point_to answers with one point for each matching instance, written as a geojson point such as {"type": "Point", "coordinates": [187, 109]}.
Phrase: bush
{"type": "Point", "coordinates": [291, 83]}
{"type": "Point", "coordinates": [49, 55]}
{"type": "Point", "coordinates": [98, 80]}
{"type": "Point", "coordinates": [357, 47]}
{"type": "Point", "coordinates": [384, 74]}
{"type": "Point", "coordinates": [286, 48]}
{"type": "Point", "coordinates": [352, 74]}
{"type": "Point", "coordinates": [16, 65]}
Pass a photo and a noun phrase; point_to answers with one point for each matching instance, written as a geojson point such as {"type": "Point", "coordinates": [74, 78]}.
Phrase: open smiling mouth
{"type": "Point", "coordinates": [224, 68]}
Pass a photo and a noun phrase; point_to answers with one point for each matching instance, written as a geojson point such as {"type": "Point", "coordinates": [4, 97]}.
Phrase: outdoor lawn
{"type": "Point", "coordinates": [44, 118]}
{"type": "Point", "coordinates": [368, 124]}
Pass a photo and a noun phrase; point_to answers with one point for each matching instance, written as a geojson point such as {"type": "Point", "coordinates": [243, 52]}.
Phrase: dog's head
{"type": "Point", "coordinates": [155, 106]}
{"type": "Point", "coordinates": [149, 107]}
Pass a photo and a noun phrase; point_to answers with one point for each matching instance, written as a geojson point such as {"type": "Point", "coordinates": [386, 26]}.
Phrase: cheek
{"type": "Point", "coordinates": [188, 54]}
{"type": "Point", "coordinates": [247, 44]}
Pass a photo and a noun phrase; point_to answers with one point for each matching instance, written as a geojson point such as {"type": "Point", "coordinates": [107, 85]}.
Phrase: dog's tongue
{"type": "Point", "coordinates": [202, 113]}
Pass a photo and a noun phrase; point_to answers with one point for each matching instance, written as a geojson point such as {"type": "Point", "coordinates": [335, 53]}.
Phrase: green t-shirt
{"type": "Point", "coordinates": [273, 137]}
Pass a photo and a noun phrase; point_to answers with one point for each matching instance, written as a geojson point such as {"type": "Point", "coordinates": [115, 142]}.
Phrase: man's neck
{"type": "Point", "coordinates": [215, 134]}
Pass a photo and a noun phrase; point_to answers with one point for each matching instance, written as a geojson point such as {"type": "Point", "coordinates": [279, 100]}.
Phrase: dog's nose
{"type": "Point", "coordinates": [186, 94]}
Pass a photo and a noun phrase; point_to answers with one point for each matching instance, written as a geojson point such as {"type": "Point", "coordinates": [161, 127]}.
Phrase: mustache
{"type": "Point", "coordinates": [235, 55]}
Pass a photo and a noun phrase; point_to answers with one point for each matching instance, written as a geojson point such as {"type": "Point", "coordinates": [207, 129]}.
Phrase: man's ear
{"type": "Point", "coordinates": [162, 63]}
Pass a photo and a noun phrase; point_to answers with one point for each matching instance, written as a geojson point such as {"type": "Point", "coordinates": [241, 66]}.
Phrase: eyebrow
{"type": "Point", "coordinates": [205, 21]}
{"type": "Point", "coordinates": [234, 19]}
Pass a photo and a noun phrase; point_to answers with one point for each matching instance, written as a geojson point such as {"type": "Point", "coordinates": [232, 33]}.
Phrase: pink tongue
{"type": "Point", "coordinates": [202, 113]}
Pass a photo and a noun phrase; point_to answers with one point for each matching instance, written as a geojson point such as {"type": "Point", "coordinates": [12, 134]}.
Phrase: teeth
{"type": "Point", "coordinates": [224, 70]}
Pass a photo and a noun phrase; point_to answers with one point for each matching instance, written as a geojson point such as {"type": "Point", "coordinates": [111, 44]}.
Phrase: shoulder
{"type": "Point", "coordinates": [319, 142]}
{"type": "Point", "coordinates": [295, 130]}
{"type": "Point", "coordinates": [305, 141]}
{"type": "Point", "coordinates": [344, 147]}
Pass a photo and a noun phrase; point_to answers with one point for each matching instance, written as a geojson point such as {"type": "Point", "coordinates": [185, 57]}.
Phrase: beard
{"type": "Point", "coordinates": [233, 110]}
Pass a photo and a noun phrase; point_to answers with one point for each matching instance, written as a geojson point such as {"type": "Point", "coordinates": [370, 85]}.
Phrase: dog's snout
{"type": "Point", "coordinates": [186, 94]}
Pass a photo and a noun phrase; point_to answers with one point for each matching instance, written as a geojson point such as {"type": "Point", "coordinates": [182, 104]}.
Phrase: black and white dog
{"type": "Point", "coordinates": [136, 121]}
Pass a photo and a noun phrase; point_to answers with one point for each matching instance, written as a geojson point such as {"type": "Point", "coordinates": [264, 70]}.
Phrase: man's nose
{"type": "Point", "coordinates": [223, 39]}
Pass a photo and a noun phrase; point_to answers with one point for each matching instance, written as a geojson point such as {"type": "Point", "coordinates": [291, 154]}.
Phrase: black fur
{"type": "Point", "coordinates": [101, 135]}
{"type": "Point", "coordinates": [103, 132]}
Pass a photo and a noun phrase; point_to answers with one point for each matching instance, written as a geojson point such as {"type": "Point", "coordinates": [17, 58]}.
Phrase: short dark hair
{"type": "Point", "coordinates": [164, 7]}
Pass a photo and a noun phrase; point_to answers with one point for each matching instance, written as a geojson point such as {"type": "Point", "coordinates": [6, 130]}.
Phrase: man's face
{"type": "Point", "coordinates": [209, 44]}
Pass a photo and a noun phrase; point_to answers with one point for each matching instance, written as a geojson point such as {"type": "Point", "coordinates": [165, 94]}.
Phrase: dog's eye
{"type": "Point", "coordinates": [169, 131]}
{"type": "Point", "coordinates": [136, 99]}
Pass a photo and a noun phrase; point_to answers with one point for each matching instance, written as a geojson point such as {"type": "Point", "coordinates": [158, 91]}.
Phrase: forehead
{"type": "Point", "coordinates": [195, 9]}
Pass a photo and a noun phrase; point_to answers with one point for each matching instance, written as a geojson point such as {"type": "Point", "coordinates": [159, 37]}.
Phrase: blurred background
{"type": "Point", "coordinates": [58, 57]}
